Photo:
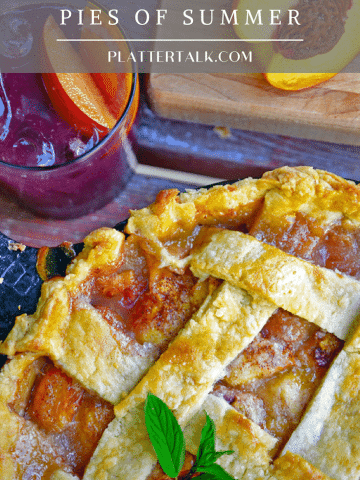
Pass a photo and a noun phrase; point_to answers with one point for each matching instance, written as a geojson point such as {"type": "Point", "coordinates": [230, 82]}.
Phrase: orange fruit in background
{"type": "Point", "coordinates": [85, 100]}
{"type": "Point", "coordinates": [296, 81]}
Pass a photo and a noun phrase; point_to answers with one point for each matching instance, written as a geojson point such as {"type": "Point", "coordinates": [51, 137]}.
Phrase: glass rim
{"type": "Point", "coordinates": [93, 150]}
{"type": "Point", "coordinates": [107, 137]}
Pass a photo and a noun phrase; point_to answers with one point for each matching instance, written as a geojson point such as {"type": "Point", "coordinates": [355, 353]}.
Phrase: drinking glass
{"type": "Point", "coordinates": [72, 188]}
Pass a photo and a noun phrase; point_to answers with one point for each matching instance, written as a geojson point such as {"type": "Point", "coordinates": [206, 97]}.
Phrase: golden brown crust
{"type": "Point", "coordinates": [322, 195]}
{"type": "Point", "coordinates": [162, 219]}
{"type": "Point", "coordinates": [316, 192]}
{"type": "Point", "coordinates": [7, 467]}
{"type": "Point", "coordinates": [251, 444]}
{"type": "Point", "coordinates": [319, 295]}
{"type": "Point", "coordinates": [184, 374]}
{"type": "Point", "coordinates": [182, 377]}
{"type": "Point", "coordinates": [124, 450]}
{"type": "Point", "coordinates": [292, 467]}
{"type": "Point", "coordinates": [329, 434]}
{"type": "Point", "coordinates": [10, 375]}
{"type": "Point", "coordinates": [102, 248]}
{"type": "Point", "coordinates": [85, 345]}
{"type": "Point", "coordinates": [80, 340]}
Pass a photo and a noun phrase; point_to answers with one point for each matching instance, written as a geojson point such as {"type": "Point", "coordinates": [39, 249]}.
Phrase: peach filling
{"type": "Point", "coordinates": [270, 382]}
{"type": "Point", "coordinates": [333, 246]}
{"type": "Point", "coordinates": [63, 423]}
{"type": "Point", "coordinates": [148, 303]}
{"type": "Point", "coordinates": [273, 379]}
{"type": "Point", "coordinates": [158, 473]}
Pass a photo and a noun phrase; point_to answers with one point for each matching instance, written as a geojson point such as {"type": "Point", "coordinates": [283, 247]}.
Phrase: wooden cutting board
{"type": "Point", "coordinates": [328, 112]}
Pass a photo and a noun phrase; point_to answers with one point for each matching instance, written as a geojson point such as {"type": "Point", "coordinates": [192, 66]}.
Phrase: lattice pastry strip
{"type": "Point", "coordinates": [332, 422]}
{"type": "Point", "coordinates": [234, 432]}
{"type": "Point", "coordinates": [326, 298]}
{"type": "Point", "coordinates": [293, 467]}
{"type": "Point", "coordinates": [124, 450]}
{"type": "Point", "coordinates": [227, 322]}
{"type": "Point", "coordinates": [79, 339]}
{"type": "Point", "coordinates": [282, 193]}
{"type": "Point", "coordinates": [183, 376]}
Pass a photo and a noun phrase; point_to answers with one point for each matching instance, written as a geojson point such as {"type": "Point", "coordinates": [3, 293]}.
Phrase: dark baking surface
{"type": "Point", "coordinates": [20, 283]}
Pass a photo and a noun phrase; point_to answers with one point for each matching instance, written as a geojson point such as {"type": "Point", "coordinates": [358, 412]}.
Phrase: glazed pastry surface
{"type": "Point", "coordinates": [216, 301]}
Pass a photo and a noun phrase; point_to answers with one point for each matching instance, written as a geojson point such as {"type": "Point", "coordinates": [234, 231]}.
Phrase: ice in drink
{"type": "Point", "coordinates": [57, 159]}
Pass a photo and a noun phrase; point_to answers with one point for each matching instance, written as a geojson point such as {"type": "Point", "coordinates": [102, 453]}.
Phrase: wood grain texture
{"type": "Point", "coordinates": [186, 147]}
{"type": "Point", "coordinates": [329, 112]}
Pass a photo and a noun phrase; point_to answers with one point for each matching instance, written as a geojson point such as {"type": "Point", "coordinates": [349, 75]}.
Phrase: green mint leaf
{"type": "Point", "coordinates": [216, 471]}
{"type": "Point", "coordinates": [165, 435]}
{"type": "Point", "coordinates": [206, 449]}
{"type": "Point", "coordinates": [206, 454]}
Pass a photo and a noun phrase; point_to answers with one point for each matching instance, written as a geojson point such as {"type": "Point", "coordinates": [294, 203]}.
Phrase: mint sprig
{"type": "Point", "coordinates": [169, 444]}
{"type": "Point", "coordinates": [165, 435]}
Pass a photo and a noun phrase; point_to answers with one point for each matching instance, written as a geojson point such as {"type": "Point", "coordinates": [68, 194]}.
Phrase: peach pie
{"type": "Point", "coordinates": [240, 301]}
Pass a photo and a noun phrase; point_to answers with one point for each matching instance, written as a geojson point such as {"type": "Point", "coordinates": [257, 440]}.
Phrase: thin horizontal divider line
{"type": "Point", "coordinates": [180, 40]}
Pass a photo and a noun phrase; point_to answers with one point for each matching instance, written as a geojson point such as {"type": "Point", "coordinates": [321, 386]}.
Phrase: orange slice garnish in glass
{"type": "Point", "coordinates": [83, 99]}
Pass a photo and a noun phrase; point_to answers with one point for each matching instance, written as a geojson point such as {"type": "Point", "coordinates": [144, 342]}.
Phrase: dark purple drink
{"type": "Point", "coordinates": [48, 164]}
{"type": "Point", "coordinates": [32, 133]}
